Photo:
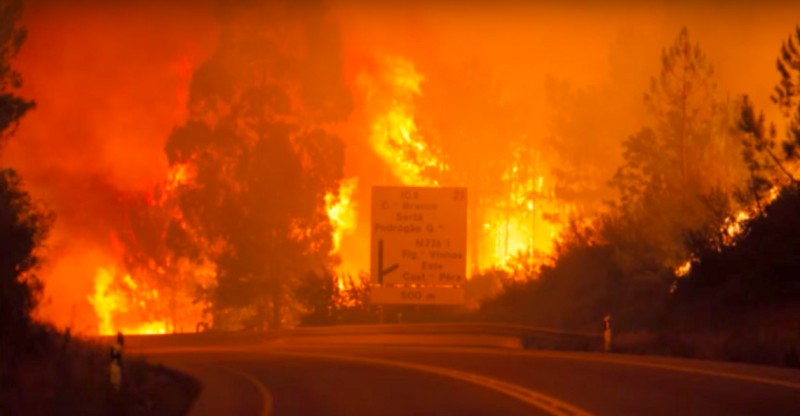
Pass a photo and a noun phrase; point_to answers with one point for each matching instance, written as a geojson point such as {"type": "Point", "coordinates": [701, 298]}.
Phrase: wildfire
{"type": "Point", "coordinates": [394, 135]}
{"type": "Point", "coordinates": [733, 227]}
{"type": "Point", "coordinates": [518, 219]}
{"type": "Point", "coordinates": [735, 224]}
{"type": "Point", "coordinates": [341, 211]}
{"type": "Point", "coordinates": [684, 269]}
{"type": "Point", "coordinates": [113, 298]}
{"type": "Point", "coordinates": [160, 299]}
{"type": "Point", "coordinates": [523, 219]}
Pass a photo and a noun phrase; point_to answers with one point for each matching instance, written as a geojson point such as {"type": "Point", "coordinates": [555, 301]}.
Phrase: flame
{"type": "Point", "coordinates": [110, 303]}
{"type": "Point", "coordinates": [178, 175]}
{"type": "Point", "coordinates": [135, 305]}
{"type": "Point", "coordinates": [733, 227]}
{"type": "Point", "coordinates": [524, 219]}
{"type": "Point", "coordinates": [684, 269]}
{"type": "Point", "coordinates": [341, 211]}
{"type": "Point", "coordinates": [520, 220]}
{"type": "Point", "coordinates": [393, 132]}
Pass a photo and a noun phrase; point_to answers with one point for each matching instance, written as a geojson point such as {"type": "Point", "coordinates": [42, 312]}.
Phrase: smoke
{"type": "Point", "coordinates": [111, 81]}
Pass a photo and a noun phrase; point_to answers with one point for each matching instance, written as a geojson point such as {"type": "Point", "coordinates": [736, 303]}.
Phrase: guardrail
{"type": "Point", "coordinates": [529, 337]}
{"type": "Point", "coordinates": [526, 336]}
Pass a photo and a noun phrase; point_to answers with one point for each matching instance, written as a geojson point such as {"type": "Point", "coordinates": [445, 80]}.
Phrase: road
{"type": "Point", "coordinates": [278, 379]}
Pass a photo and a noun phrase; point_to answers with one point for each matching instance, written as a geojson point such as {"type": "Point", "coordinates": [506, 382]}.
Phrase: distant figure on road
{"type": "Point", "coordinates": [115, 368]}
{"type": "Point", "coordinates": [607, 333]}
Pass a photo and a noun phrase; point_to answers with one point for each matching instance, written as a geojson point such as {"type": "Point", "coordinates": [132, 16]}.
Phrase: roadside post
{"type": "Point", "coordinates": [607, 333]}
{"type": "Point", "coordinates": [115, 367]}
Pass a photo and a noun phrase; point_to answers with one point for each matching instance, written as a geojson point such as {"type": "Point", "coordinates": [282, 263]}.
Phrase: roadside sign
{"type": "Point", "coordinates": [419, 239]}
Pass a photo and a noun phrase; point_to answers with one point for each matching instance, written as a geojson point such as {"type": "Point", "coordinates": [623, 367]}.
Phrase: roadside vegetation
{"type": "Point", "coordinates": [696, 257]}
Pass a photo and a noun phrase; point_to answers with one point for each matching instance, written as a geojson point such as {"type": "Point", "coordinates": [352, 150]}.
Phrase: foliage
{"type": "Point", "coordinates": [23, 227]}
{"type": "Point", "coordinates": [675, 184]}
{"type": "Point", "coordinates": [261, 158]}
{"type": "Point", "coordinates": [326, 302]}
{"type": "Point", "coordinates": [679, 174]}
{"type": "Point", "coordinates": [23, 224]}
{"type": "Point", "coordinates": [57, 375]}
{"type": "Point", "coordinates": [12, 36]}
{"type": "Point", "coordinates": [761, 269]}
{"type": "Point", "coordinates": [772, 160]}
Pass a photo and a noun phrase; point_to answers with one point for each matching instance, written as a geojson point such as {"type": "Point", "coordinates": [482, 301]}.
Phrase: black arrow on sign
{"type": "Point", "coordinates": [381, 271]}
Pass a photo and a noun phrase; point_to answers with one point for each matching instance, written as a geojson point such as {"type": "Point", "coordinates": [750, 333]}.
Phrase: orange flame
{"type": "Point", "coordinates": [733, 227]}
{"type": "Point", "coordinates": [110, 303]}
{"type": "Point", "coordinates": [122, 303]}
{"type": "Point", "coordinates": [394, 135]}
{"type": "Point", "coordinates": [341, 211]}
{"type": "Point", "coordinates": [521, 219]}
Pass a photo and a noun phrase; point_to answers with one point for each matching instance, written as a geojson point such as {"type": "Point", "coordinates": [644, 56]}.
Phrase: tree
{"type": "Point", "coordinates": [23, 224]}
{"type": "Point", "coordinates": [677, 176]}
{"type": "Point", "coordinates": [12, 36]}
{"type": "Point", "coordinates": [261, 156]}
{"type": "Point", "coordinates": [770, 159]}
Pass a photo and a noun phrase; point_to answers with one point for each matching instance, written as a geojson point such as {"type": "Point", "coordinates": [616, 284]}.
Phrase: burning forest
{"type": "Point", "coordinates": [206, 161]}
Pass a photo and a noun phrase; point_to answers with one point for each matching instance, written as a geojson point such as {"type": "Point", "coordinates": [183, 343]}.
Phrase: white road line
{"type": "Point", "coordinates": [266, 397]}
{"type": "Point", "coordinates": [543, 402]}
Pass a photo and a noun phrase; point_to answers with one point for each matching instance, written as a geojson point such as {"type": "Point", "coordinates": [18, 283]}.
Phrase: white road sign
{"type": "Point", "coordinates": [419, 238]}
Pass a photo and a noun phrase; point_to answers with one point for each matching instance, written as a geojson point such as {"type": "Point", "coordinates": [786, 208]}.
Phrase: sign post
{"type": "Point", "coordinates": [418, 245]}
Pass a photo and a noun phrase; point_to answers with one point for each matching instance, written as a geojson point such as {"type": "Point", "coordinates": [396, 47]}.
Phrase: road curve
{"type": "Point", "coordinates": [403, 380]}
{"type": "Point", "coordinates": [285, 383]}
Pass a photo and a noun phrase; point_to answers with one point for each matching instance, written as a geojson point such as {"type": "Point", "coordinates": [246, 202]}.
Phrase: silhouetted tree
{"type": "Point", "coordinates": [261, 159]}
{"type": "Point", "coordinates": [23, 224]}
{"type": "Point", "coordinates": [772, 160]}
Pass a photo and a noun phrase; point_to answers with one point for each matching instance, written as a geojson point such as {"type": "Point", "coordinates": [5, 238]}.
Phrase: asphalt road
{"type": "Point", "coordinates": [275, 379]}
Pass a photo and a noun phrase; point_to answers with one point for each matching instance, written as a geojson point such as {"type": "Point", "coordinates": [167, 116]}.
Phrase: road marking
{"type": "Point", "coordinates": [266, 397]}
{"type": "Point", "coordinates": [543, 402]}
{"type": "Point", "coordinates": [714, 373]}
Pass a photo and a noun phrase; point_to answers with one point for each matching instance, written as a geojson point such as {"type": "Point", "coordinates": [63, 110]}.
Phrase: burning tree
{"type": "Point", "coordinates": [263, 158]}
